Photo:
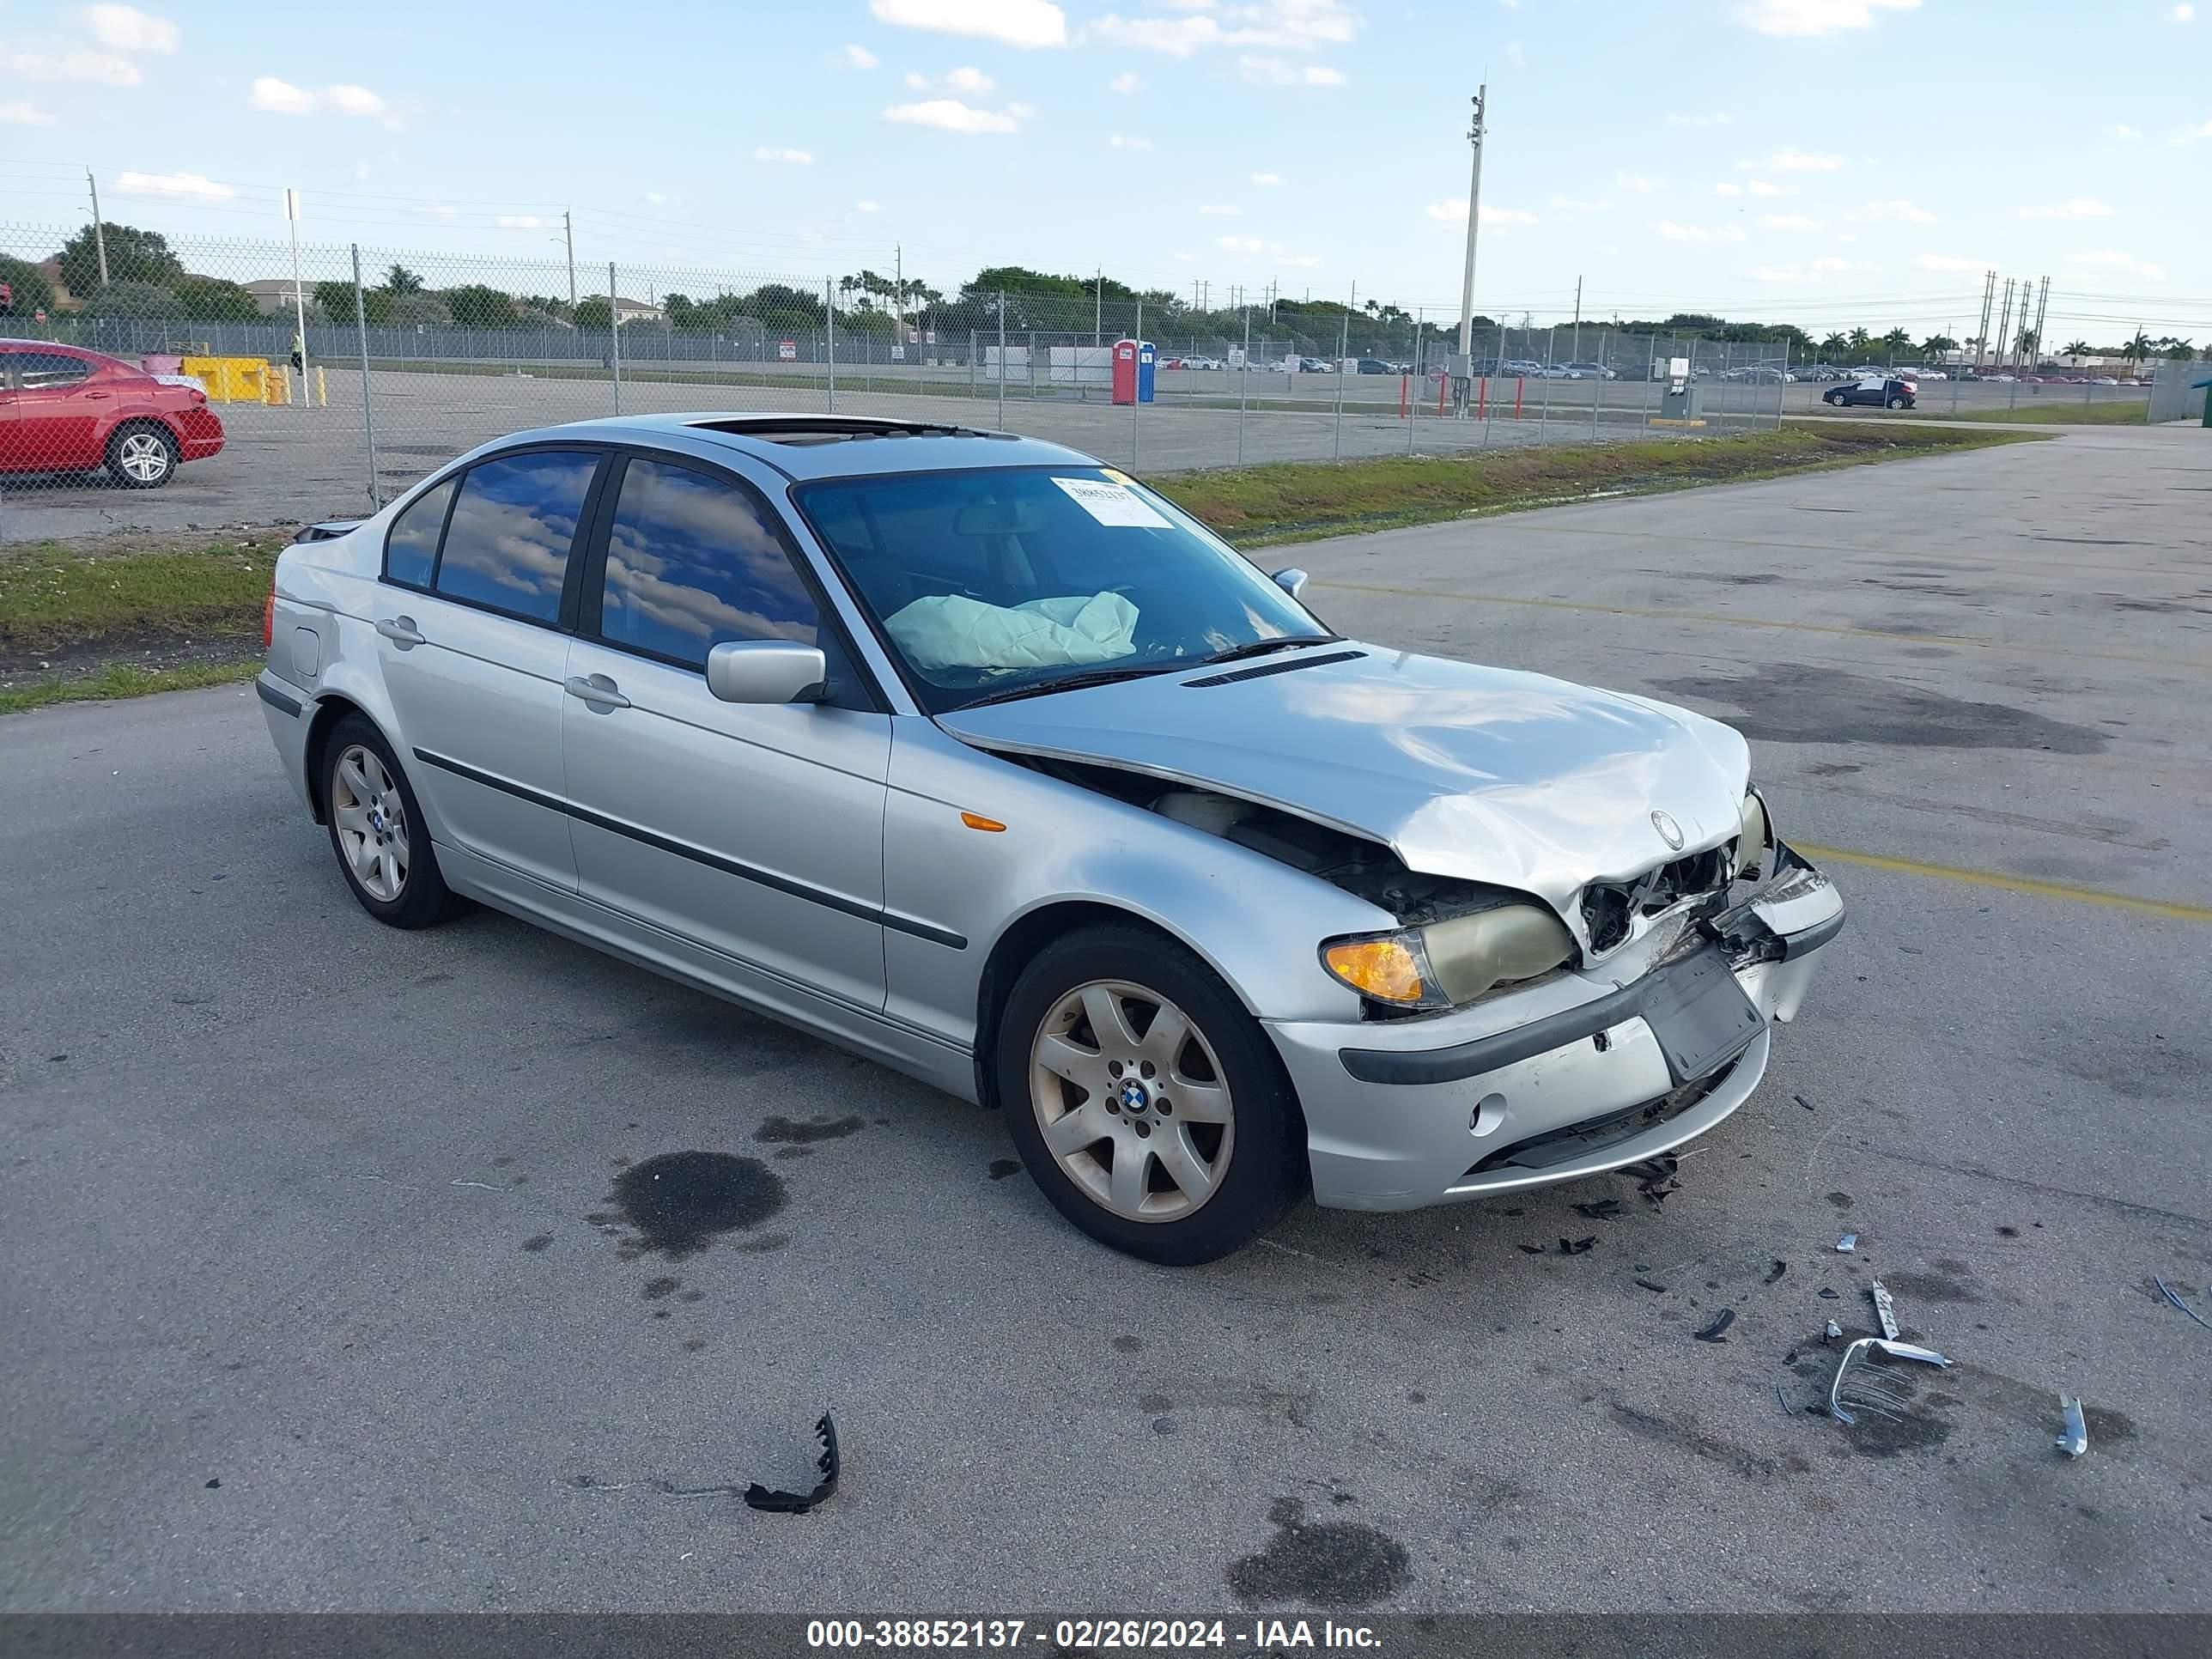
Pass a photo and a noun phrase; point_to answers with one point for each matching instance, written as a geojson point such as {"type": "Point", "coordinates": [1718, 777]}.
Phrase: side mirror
{"type": "Point", "coordinates": [765, 671]}
{"type": "Point", "coordinates": [1292, 581]}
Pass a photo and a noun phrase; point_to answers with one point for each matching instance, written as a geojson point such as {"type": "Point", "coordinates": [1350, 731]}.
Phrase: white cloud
{"type": "Point", "coordinates": [2123, 131]}
{"type": "Point", "coordinates": [656, 198]}
{"type": "Point", "coordinates": [1787, 222]}
{"type": "Point", "coordinates": [1221, 210]}
{"type": "Point", "coordinates": [1795, 273]}
{"type": "Point", "coordinates": [1895, 211]}
{"type": "Point", "coordinates": [1279, 25]}
{"type": "Point", "coordinates": [972, 81]}
{"type": "Point", "coordinates": [791, 157]}
{"type": "Point", "coordinates": [1301, 261]}
{"type": "Point", "coordinates": [1572, 204]}
{"type": "Point", "coordinates": [1725, 188]}
{"type": "Point", "coordinates": [1241, 244]}
{"type": "Point", "coordinates": [2077, 207]}
{"type": "Point", "coordinates": [445, 210]}
{"type": "Point", "coordinates": [1714, 120]}
{"type": "Point", "coordinates": [24, 115]}
{"type": "Point", "coordinates": [2184, 14]}
{"type": "Point", "coordinates": [1675, 232]}
{"type": "Point", "coordinates": [1637, 183]}
{"type": "Point", "coordinates": [1276, 72]}
{"type": "Point", "coordinates": [66, 60]}
{"type": "Point", "coordinates": [1126, 81]}
{"type": "Point", "coordinates": [126, 28]}
{"type": "Point", "coordinates": [281, 98]}
{"type": "Point", "coordinates": [861, 57]}
{"type": "Point", "coordinates": [1268, 181]}
{"type": "Point", "coordinates": [1949, 262]}
{"type": "Point", "coordinates": [868, 207]}
{"type": "Point", "coordinates": [1009, 23]}
{"type": "Point", "coordinates": [1122, 141]}
{"type": "Point", "coordinates": [2116, 260]}
{"type": "Point", "coordinates": [170, 184]}
{"type": "Point", "coordinates": [950, 115]}
{"type": "Point", "coordinates": [1804, 17]}
{"type": "Point", "coordinates": [1768, 187]}
{"type": "Point", "coordinates": [1454, 212]}
{"type": "Point", "coordinates": [521, 221]}
{"type": "Point", "coordinates": [1791, 159]}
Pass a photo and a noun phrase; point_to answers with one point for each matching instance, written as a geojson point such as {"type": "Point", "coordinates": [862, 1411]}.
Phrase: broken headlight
{"type": "Point", "coordinates": [1754, 837]}
{"type": "Point", "coordinates": [1448, 963]}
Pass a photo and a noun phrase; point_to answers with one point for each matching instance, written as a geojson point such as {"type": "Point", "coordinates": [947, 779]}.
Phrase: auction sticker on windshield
{"type": "Point", "coordinates": [1112, 504]}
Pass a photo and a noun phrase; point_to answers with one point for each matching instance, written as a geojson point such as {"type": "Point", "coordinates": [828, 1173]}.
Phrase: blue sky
{"type": "Point", "coordinates": [1831, 163]}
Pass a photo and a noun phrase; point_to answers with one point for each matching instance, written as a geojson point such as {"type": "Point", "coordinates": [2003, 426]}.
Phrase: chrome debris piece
{"type": "Point", "coordinates": [1895, 1350]}
{"type": "Point", "coordinates": [1847, 1244]}
{"type": "Point", "coordinates": [1884, 1308]}
{"type": "Point", "coordinates": [1831, 1332]}
{"type": "Point", "coordinates": [2074, 1438]}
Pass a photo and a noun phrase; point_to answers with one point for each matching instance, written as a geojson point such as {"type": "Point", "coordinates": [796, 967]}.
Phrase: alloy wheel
{"type": "Point", "coordinates": [143, 456]}
{"type": "Point", "coordinates": [372, 822]}
{"type": "Point", "coordinates": [1131, 1101]}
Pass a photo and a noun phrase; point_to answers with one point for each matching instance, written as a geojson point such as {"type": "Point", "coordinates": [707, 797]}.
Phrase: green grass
{"type": "Point", "coordinates": [2058, 412]}
{"type": "Point", "coordinates": [122, 680]}
{"type": "Point", "coordinates": [1304, 500]}
{"type": "Point", "coordinates": [54, 597]}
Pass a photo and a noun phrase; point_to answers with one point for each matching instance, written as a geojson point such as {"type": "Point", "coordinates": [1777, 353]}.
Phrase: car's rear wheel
{"type": "Point", "coordinates": [1147, 1104]}
{"type": "Point", "coordinates": [1897, 403]}
{"type": "Point", "coordinates": [142, 455]}
{"type": "Point", "coordinates": [377, 830]}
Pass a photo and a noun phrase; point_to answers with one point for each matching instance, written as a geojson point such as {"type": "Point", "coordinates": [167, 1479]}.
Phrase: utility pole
{"type": "Point", "coordinates": [1575, 351]}
{"type": "Point", "coordinates": [1474, 133]}
{"type": "Point", "coordinates": [299, 299]}
{"type": "Point", "coordinates": [568, 234]}
{"type": "Point", "coordinates": [898, 287]}
{"type": "Point", "coordinates": [1982, 338]}
{"type": "Point", "coordinates": [2004, 326]}
{"type": "Point", "coordinates": [1098, 311]}
{"type": "Point", "coordinates": [99, 235]}
{"type": "Point", "coordinates": [2042, 303]}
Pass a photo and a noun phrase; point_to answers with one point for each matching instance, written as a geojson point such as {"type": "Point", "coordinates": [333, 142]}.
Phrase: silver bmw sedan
{"type": "Point", "coordinates": [974, 755]}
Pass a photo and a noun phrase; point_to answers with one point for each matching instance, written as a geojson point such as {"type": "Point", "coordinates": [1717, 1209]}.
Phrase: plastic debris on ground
{"type": "Point", "coordinates": [2074, 1438]}
{"type": "Point", "coordinates": [1775, 1272]}
{"type": "Point", "coordinates": [1831, 1332]}
{"type": "Point", "coordinates": [1885, 1402]}
{"type": "Point", "coordinates": [1577, 1246]}
{"type": "Point", "coordinates": [1885, 1309]}
{"type": "Point", "coordinates": [2166, 1290]}
{"type": "Point", "coordinates": [792, 1502]}
{"type": "Point", "coordinates": [1848, 1244]}
{"type": "Point", "coordinates": [1604, 1210]}
{"type": "Point", "coordinates": [1712, 1331]}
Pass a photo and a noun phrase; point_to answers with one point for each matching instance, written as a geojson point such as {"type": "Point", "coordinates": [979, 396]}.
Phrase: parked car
{"type": "Point", "coordinates": [1590, 371]}
{"type": "Point", "coordinates": [1930, 374]}
{"type": "Point", "coordinates": [1315, 366]}
{"type": "Point", "coordinates": [66, 410]}
{"type": "Point", "coordinates": [973, 755]}
{"type": "Point", "coordinates": [1374, 366]}
{"type": "Point", "coordinates": [1883, 391]}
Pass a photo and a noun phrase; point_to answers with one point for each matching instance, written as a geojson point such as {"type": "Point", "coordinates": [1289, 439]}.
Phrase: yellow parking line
{"type": "Point", "coordinates": [2050, 889]}
{"type": "Point", "coordinates": [1662, 613]}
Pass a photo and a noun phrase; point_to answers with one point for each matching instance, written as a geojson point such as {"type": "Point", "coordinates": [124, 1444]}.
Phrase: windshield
{"type": "Point", "coordinates": [1001, 581]}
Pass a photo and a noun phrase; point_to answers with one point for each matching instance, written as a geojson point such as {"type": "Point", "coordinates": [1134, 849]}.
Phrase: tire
{"type": "Point", "coordinates": [1833, 399]}
{"type": "Point", "coordinates": [383, 853]}
{"type": "Point", "coordinates": [1898, 403]}
{"type": "Point", "coordinates": [1240, 1136]}
{"type": "Point", "coordinates": [142, 455]}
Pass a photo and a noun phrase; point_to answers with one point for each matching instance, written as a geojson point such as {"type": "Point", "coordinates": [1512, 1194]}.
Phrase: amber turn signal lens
{"type": "Point", "coordinates": [977, 820]}
{"type": "Point", "coordinates": [1380, 968]}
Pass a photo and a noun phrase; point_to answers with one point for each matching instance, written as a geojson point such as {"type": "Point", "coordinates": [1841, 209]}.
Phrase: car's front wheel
{"type": "Point", "coordinates": [142, 456]}
{"type": "Point", "coordinates": [377, 830]}
{"type": "Point", "coordinates": [1833, 399]}
{"type": "Point", "coordinates": [1146, 1102]}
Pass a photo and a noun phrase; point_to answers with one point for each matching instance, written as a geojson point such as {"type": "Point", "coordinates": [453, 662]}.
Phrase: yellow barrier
{"type": "Point", "coordinates": [231, 380]}
{"type": "Point", "coordinates": [280, 387]}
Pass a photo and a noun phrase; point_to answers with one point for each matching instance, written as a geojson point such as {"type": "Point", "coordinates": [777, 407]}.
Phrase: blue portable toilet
{"type": "Point", "coordinates": [1145, 354]}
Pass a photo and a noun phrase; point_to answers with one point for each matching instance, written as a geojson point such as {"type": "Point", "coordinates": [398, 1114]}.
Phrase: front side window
{"type": "Point", "coordinates": [35, 369]}
{"type": "Point", "coordinates": [991, 582]}
{"type": "Point", "coordinates": [513, 526]}
{"type": "Point", "coordinates": [692, 563]}
{"type": "Point", "coordinates": [412, 549]}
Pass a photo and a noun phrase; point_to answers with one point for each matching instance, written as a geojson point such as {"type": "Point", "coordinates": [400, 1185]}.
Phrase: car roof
{"type": "Point", "coordinates": [808, 446]}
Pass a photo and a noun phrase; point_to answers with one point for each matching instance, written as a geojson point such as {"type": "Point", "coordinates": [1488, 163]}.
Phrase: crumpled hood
{"type": "Point", "coordinates": [1486, 773]}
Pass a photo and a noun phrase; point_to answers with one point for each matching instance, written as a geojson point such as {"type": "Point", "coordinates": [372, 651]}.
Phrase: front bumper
{"type": "Point", "coordinates": [1564, 1080]}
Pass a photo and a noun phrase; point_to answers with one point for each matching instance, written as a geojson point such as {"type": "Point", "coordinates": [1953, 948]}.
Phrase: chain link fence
{"type": "Point", "coordinates": [274, 400]}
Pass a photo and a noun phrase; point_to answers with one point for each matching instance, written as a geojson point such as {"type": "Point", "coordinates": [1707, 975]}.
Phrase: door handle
{"type": "Point", "coordinates": [400, 631]}
{"type": "Point", "coordinates": [95, 397]}
{"type": "Point", "coordinates": [598, 691]}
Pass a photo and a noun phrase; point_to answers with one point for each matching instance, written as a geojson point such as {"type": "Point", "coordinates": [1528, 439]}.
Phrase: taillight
{"type": "Point", "coordinates": [268, 615]}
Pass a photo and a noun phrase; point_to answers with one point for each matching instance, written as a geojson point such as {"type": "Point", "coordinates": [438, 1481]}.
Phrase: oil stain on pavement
{"type": "Point", "coordinates": [677, 1204]}
{"type": "Point", "coordinates": [1326, 1564]}
{"type": "Point", "coordinates": [1798, 702]}
{"type": "Point", "coordinates": [783, 1131]}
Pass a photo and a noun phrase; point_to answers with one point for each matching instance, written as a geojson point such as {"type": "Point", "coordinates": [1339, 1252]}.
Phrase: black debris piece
{"type": "Point", "coordinates": [1577, 1246]}
{"type": "Point", "coordinates": [1604, 1210]}
{"type": "Point", "coordinates": [1776, 1272]}
{"type": "Point", "coordinates": [1789, 1358]}
{"type": "Point", "coordinates": [1787, 1409]}
{"type": "Point", "coordinates": [791, 1502]}
{"type": "Point", "coordinates": [1653, 1285]}
{"type": "Point", "coordinates": [1712, 1331]}
{"type": "Point", "coordinates": [1826, 1295]}
{"type": "Point", "coordinates": [1801, 1101]}
{"type": "Point", "coordinates": [1529, 1250]}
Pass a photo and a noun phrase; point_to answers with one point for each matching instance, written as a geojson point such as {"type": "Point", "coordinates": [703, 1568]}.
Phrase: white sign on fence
{"type": "Point", "coordinates": [786, 350]}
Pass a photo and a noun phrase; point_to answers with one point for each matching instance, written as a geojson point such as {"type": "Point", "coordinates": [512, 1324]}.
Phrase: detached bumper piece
{"type": "Point", "coordinates": [792, 1503]}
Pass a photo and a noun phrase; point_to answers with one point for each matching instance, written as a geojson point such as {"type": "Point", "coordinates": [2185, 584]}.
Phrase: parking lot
{"type": "Point", "coordinates": [314, 1263]}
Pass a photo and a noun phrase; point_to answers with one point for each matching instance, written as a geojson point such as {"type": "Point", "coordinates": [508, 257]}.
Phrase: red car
{"type": "Point", "coordinates": [66, 410]}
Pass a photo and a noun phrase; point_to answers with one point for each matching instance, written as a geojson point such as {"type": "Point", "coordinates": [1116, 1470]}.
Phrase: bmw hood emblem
{"type": "Point", "coordinates": [1670, 831]}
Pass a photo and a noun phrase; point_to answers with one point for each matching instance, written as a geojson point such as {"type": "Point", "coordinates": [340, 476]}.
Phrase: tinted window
{"type": "Point", "coordinates": [413, 547]}
{"type": "Point", "coordinates": [691, 562]}
{"type": "Point", "coordinates": [507, 544]}
{"type": "Point", "coordinates": [41, 369]}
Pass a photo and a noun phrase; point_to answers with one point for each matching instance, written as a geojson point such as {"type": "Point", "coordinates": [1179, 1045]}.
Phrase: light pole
{"type": "Point", "coordinates": [299, 299]}
{"type": "Point", "coordinates": [1475, 134]}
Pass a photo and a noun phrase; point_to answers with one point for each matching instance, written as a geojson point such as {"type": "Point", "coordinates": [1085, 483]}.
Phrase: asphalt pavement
{"type": "Point", "coordinates": [321, 1291]}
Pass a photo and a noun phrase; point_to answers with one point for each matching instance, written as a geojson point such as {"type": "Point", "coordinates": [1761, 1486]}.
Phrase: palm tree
{"type": "Point", "coordinates": [1836, 344]}
{"type": "Point", "coordinates": [2180, 352]}
{"type": "Point", "coordinates": [1933, 348]}
{"type": "Point", "coordinates": [400, 280]}
{"type": "Point", "coordinates": [1859, 340]}
{"type": "Point", "coordinates": [2137, 349]}
{"type": "Point", "coordinates": [2075, 348]}
{"type": "Point", "coordinates": [2025, 342]}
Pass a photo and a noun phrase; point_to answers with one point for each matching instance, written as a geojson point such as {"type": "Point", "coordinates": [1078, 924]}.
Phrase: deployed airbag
{"type": "Point", "coordinates": [951, 630]}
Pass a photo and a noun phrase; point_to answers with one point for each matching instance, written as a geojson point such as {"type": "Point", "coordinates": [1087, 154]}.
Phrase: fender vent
{"type": "Point", "coordinates": [1261, 670]}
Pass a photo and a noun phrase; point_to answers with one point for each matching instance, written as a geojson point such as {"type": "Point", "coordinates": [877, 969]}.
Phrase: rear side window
{"type": "Point", "coordinates": [411, 549]}
{"type": "Point", "coordinates": [34, 369]}
{"type": "Point", "coordinates": [691, 561]}
{"type": "Point", "coordinates": [513, 526]}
